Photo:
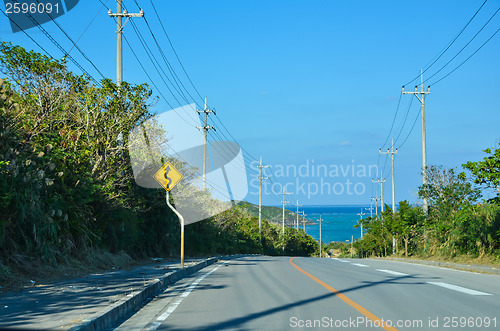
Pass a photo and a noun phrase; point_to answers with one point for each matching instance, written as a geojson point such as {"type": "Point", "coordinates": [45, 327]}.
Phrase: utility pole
{"type": "Point", "coordinates": [320, 236]}
{"type": "Point", "coordinates": [297, 205]}
{"type": "Point", "coordinates": [284, 202]}
{"type": "Point", "coordinates": [360, 214]}
{"type": "Point", "coordinates": [376, 199]}
{"type": "Point", "coordinates": [304, 221]}
{"type": "Point", "coordinates": [424, 148]}
{"type": "Point", "coordinates": [181, 219]}
{"type": "Point", "coordinates": [381, 181]}
{"type": "Point", "coordinates": [119, 34]}
{"type": "Point", "coordinates": [370, 209]}
{"type": "Point", "coordinates": [205, 128]}
{"type": "Point", "coordinates": [352, 240]}
{"type": "Point", "coordinates": [260, 166]}
{"type": "Point", "coordinates": [496, 145]}
{"type": "Point", "coordinates": [392, 154]}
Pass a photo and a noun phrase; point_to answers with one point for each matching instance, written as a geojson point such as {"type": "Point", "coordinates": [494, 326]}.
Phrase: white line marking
{"type": "Point", "coordinates": [395, 273]}
{"type": "Point", "coordinates": [344, 261]}
{"type": "Point", "coordinates": [360, 265]}
{"type": "Point", "coordinates": [174, 305]}
{"type": "Point", "coordinates": [434, 266]}
{"type": "Point", "coordinates": [459, 288]}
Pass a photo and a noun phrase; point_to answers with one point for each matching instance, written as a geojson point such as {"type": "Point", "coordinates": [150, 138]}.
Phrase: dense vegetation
{"type": "Point", "coordinates": [67, 186]}
{"type": "Point", "coordinates": [457, 222]}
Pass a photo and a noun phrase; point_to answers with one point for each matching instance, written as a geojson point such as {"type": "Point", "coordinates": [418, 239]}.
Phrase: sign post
{"type": "Point", "coordinates": [182, 229]}
{"type": "Point", "coordinates": [167, 176]}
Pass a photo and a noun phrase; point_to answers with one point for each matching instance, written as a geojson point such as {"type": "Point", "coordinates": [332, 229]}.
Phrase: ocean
{"type": "Point", "coordinates": [338, 222]}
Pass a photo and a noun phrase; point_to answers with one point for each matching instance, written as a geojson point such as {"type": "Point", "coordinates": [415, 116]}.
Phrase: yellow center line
{"type": "Point", "coordinates": [344, 298]}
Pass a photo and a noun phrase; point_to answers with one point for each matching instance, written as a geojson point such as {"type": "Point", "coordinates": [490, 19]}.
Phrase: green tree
{"type": "Point", "coordinates": [487, 171]}
{"type": "Point", "coordinates": [409, 218]}
{"type": "Point", "coordinates": [448, 194]}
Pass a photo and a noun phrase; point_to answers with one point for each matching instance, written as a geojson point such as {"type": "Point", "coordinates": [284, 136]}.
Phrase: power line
{"type": "Point", "coordinates": [404, 121]}
{"type": "Point", "coordinates": [88, 26]}
{"type": "Point", "coordinates": [185, 71]}
{"type": "Point", "coordinates": [409, 133]}
{"type": "Point", "coordinates": [449, 44]}
{"type": "Point", "coordinates": [155, 62]}
{"type": "Point", "coordinates": [463, 47]}
{"type": "Point", "coordinates": [74, 44]}
{"type": "Point", "coordinates": [392, 125]}
{"type": "Point", "coordinates": [467, 59]}
{"type": "Point", "coordinates": [33, 40]}
{"type": "Point", "coordinates": [153, 82]}
{"type": "Point", "coordinates": [247, 156]}
{"type": "Point", "coordinates": [173, 49]}
{"type": "Point", "coordinates": [48, 35]}
{"type": "Point", "coordinates": [169, 67]}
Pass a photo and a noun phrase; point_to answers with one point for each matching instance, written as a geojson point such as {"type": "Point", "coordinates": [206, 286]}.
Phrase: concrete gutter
{"type": "Point", "coordinates": [121, 308]}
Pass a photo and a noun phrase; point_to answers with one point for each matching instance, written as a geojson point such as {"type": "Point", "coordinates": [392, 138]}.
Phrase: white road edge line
{"type": "Point", "coordinates": [360, 265]}
{"type": "Point", "coordinates": [174, 305]}
{"type": "Point", "coordinates": [435, 266]}
{"type": "Point", "coordinates": [459, 288]}
{"type": "Point", "coordinates": [395, 273]}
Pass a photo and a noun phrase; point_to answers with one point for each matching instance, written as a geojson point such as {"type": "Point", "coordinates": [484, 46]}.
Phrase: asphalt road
{"type": "Point", "coordinates": [280, 293]}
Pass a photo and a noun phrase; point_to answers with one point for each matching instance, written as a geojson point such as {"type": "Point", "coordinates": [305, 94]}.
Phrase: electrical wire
{"type": "Point", "coordinates": [185, 71]}
{"type": "Point", "coordinates": [74, 44]}
{"type": "Point", "coordinates": [393, 120]}
{"type": "Point", "coordinates": [88, 26]}
{"type": "Point", "coordinates": [451, 43]}
{"type": "Point", "coordinates": [221, 134]}
{"type": "Point", "coordinates": [173, 49]}
{"type": "Point", "coordinates": [49, 36]}
{"type": "Point", "coordinates": [33, 40]}
{"type": "Point", "coordinates": [467, 59]}
{"type": "Point", "coordinates": [404, 121]}
{"type": "Point", "coordinates": [409, 133]}
{"type": "Point", "coordinates": [444, 66]}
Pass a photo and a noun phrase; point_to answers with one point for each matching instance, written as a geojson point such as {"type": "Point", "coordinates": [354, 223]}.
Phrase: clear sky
{"type": "Point", "coordinates": [311, 85]}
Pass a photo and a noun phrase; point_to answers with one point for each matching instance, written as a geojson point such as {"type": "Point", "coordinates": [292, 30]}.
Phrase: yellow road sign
{"type": "Point", "coordinates": [167, 176]}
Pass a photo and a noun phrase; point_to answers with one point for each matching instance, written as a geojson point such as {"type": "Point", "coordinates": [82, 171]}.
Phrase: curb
{"type": "Point", "coordinates": [451, 265]}
{"type": "Point", "coordinates": [122, 307]}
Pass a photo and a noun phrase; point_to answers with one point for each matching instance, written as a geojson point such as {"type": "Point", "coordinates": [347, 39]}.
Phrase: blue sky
{"type": "Point", "coordinates": [313, 82]}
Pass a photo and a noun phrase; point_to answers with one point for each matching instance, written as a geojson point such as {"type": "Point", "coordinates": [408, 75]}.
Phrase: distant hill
{"type": "Point", "coordinates": [275, 214]}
